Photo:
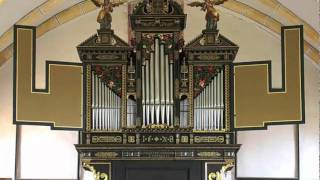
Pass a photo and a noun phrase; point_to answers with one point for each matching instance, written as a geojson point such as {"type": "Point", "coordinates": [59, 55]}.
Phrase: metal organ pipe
{"type": "Point", "coordinates": [152, 94]}
{"type": "Point", "coordinates": [105, 106]}
{"type": "Point", "coordinates": [131, 112]}
{"type": "Point", "coordinates": [162, 84]}
{"type": "Point", "coordinates": [157, 81]}
{"type": "Point", "coordinates": [209, 106]}
{"type": "Point", "coordinates": [157, 87]}
{"type": "Point", "coordinates": [184, 113]}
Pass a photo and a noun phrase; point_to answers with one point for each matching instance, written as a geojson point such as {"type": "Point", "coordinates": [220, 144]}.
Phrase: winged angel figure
{"type": "Point", "coordinates": [212, 15]}
{"type": "Point", "coordinates": [104, 16]}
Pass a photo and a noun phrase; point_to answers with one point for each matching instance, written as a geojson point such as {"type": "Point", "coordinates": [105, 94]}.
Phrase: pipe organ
{"type": "Point", "coordinates": [157, 98]}
{"type": "Point", "coordinates": [209, 105]}
{"type": "Point", "coordinates": [105, 105]}
{"type": "Point", "coordinates": [157, 87]}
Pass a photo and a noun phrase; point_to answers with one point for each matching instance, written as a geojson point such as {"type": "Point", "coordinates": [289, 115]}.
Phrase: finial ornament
{"type": "Point", "coordinates": [104, 16]}
{"type": "Point", "coordinates": [212, 15]}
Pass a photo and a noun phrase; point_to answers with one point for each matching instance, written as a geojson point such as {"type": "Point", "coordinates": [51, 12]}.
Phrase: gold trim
{"type": "Point", "coordinates": [106, 154]}
{"type": "Point", "coordinates": [123, 98]}
{"type": "Point", "coordinates": [227, 97]}
{"type": "Point", "coordinates": [89, 98]}
{"type": "Point", "coordinates": [96, 174]}
{"type": "Point", "coordinates": [157, 126]}
{"type": "Point", "coordinates": [209, 154]}
{"type": "Point", "coordinates": [190, 96]}
{"type": "Point", "coordinates": [218, 175]}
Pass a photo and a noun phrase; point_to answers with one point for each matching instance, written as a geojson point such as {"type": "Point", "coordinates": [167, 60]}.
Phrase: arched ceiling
{"type": "Point", "coordinates": [49, 14]}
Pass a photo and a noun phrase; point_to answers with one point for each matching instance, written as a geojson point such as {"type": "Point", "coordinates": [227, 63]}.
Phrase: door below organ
{"type": "Point", "coordinates": [158, 170]}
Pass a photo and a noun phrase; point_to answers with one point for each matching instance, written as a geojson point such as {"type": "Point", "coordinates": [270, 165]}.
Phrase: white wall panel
{"type": "Point", "coordinates": [267, 153]}
{"type": "Point", "coordinates": [48, 154]}
{"type": "Point", "coordinates": [7, 129]}
{"type": "Point", "coordinates": [309, 132]}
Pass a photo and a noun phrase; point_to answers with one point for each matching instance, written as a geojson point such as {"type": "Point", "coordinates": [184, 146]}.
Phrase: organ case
{"type": "Point", "coordinates": [158, 99]}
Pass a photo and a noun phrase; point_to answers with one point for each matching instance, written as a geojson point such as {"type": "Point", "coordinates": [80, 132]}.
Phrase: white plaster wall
{"type": "Point", "coordinates": [47, 154]}
{"type": "Point", "coordinates": [309, 132]}
{"type": "Point", "coordinates": [267, 153]}
{"type": "Point", "coordinates": [7, 129]}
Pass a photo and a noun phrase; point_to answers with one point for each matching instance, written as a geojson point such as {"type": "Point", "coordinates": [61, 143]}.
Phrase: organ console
{"type": "Point", "coordinates": [158, 99]}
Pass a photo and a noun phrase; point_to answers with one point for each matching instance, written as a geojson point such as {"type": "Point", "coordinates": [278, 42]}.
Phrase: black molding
{"type": "Point", "coordinates": [297, 136]}
{"type": "Point", "coordinates": [17, 163]}
{"type": "Point", "coordinates": [236, 157]}
{"type": "Point", "coordinates": [282, 89]}
{"type": "Point", "coordinates": [231, 78]}
{"type": "Point", "coordinates": [79, 164]}
{"type": "Point", "coordinates": [47, 87]}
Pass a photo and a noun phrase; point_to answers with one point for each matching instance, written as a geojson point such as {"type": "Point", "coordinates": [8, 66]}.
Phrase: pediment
{"type": "Point", "coordinates": [198, 43]}
{"type": "Point", "coordinates": [94, 41]}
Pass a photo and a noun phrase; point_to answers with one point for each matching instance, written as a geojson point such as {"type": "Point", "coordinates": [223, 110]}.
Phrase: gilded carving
{"type": "Point", "coordinates": [106, 139]}
{"type": "Point", "coordinates": [212, 15]}
{"type": "Point", "coordinates": [209, 154]}
{"type": "Point", "coordinates": [131, 139]}
{"type": "Point", "coordinates": [157, 139]}
{"type": "Point", "coordinates": [106, 154]}
{"type": "Point", "coordinates": [218, 175]}
{"type": "Point", "coordinates": [184, 139]}
{"type": "Point", "coordinates": [96, 174]}
{"type": "Point", "coordinates": [208, 139]}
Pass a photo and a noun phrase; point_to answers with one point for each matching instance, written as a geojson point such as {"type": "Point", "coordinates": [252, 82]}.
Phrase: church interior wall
{"type": "Point", "coordinates": [265, 153]}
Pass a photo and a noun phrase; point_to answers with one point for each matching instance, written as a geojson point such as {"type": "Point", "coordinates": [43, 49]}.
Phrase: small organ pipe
{"type": "Point", "coordinates": [222, 99]}
{"type": "Point", "coordinates": [147, 69]}
{"type": "Point", "coordinates": [93, 104]}
{"type": "Point", "coordinates": [106, 106]}
{"type": "Point", "coordinates": [209, 106]}
{"type": "Point", "coordinates": [215, 103]}
{"type": "Point", "coordinates": [97, 102]}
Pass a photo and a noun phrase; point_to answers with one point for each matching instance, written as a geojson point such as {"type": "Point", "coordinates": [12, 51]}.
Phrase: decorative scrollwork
{"type": "Point", "coordinates": [218, 174]}
{"type": "Point", "coordinates": [97, 175]}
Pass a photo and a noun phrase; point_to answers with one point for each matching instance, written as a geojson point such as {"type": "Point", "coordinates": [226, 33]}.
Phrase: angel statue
{"type": "Point", "coordinates": [104, 16]}
{"type": "Point", "coordinates": [212, 15]}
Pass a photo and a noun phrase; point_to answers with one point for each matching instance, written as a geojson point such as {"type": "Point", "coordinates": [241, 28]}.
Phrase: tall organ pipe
{"type": "Point", "coordinates": [143, 96]}
{"type": "Point", "coordinates": [167, 91]}
{"type": "Point", "coordinates": [157, 80]}
{"type": "Point", "coordinates": [157, 91]}
{"type": "Point", "coordinates": [152, 94]}
{"type": "Point", "coordinates": [162, 84]}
